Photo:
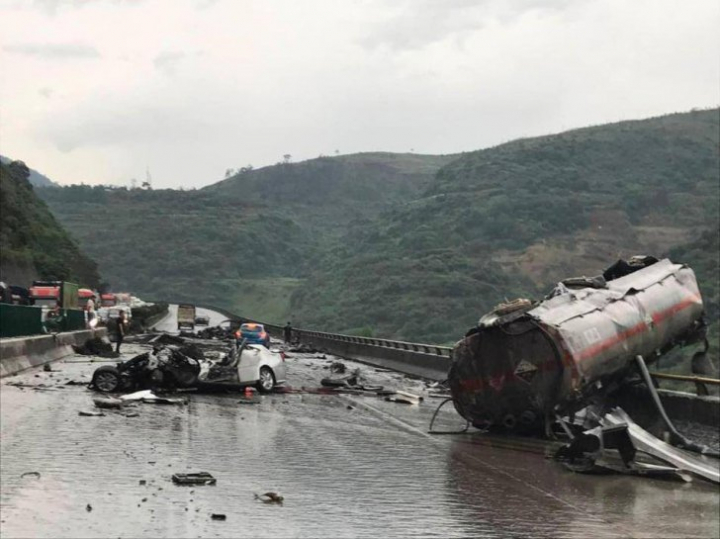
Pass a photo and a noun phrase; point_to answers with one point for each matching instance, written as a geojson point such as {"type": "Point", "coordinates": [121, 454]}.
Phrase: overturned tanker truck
{"type": "Point", "coordinates": [527, 364]}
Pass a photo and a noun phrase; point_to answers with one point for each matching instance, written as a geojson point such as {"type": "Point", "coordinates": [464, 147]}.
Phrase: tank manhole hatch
{"type": "Point", "coordinates": [526, 371]}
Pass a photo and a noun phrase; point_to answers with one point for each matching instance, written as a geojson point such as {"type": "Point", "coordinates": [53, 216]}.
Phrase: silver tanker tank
{"type": "Point", "coordinates": [525, 362]}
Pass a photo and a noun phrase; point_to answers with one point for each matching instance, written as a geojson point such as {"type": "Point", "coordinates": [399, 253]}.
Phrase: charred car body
{"type": "Point", "coordinates": [173, 367]}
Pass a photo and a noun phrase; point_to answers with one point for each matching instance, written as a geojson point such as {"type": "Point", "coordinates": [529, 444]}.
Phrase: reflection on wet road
{"type": "Point", "coordinates": [348, 466]}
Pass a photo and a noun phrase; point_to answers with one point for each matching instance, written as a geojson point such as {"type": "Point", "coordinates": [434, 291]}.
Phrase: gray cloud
{"type": "Point", "coordinates": [138, 123]}
{"type": "Point", "coordinates": [419, 23]}
{"type": "Point", "coordinates": [205, 4]}
{"type": "Point", "coordinates": [278, 77]}
{"type": "Point", "coordinates": [167, 61]}
{"type": "Point", "coordinates": [54, 51]}
{"type": "Point", "coordinates": [50, 7]}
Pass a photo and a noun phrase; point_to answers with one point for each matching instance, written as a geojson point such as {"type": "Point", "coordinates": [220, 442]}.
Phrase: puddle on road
{"type": "Point", "coordinates": [343, 473]}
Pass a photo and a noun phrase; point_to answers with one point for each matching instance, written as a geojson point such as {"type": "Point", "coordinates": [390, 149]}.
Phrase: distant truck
{"type": "Point", "coordinates": [186, 316]}
{"type": "Point", "coordinates": [85, 294]}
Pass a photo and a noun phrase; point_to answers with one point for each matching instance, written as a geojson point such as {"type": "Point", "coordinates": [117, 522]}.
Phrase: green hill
{"type": "Point", "coordinates": [245, 243]}
{"type": "Point", "coordinates": [35, 178]}
{"type": "Point", "coordinates": [327, 194]}
{"type": "Point", "coordinates": [412, 246]}
{"type": "Point", "coordinates": [32, 243]}
{"type": "Point", "coordinates": [511, 220]}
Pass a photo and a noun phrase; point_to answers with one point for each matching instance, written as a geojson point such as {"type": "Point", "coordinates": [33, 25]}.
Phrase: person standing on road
{"type": "Point", "coordinates": [287, 333]}
{"type": "Point", "coordinates": [90, 310]}
{"type": "Point", "coordinates": [121, 329]}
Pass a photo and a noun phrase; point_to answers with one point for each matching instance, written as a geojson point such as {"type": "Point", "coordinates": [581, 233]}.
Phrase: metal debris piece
{"type": "Point", "coordinates": [199, 478]}
{"type": "Point", "coordinates": [31, 474]}
{"type": "Point", "coordinates": [338, 367]}
{"type": "Point", "coordinates": [90, 413]}
{"type": "Point", "coordinates": [107, 402]}
{"type": "Point", "coordinates": [401, 400]}
{"type": "Point", "coordinates": [165, 338]}
{"type": "Point", "coordinates": [148, 396]}
{"type": "Point", "coordinates": [270, 497]}
{"type": "Point", "coordinates": [218, 516]}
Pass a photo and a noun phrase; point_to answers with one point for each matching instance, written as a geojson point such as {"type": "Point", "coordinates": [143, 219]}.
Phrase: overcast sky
{"type": "Point", "coordinates": [95, 91]}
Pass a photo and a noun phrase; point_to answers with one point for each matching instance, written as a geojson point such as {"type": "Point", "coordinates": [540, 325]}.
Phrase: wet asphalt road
{"type": "Point", "coordinates": [348, 466]}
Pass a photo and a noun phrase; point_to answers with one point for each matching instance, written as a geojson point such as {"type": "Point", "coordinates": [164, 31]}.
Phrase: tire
{"type": "Point", "coordinates": [106, 379]}
{"type": "Point", "coordinates": [185, 378]}
{"type": "Point", "coordinates": [267, 380]}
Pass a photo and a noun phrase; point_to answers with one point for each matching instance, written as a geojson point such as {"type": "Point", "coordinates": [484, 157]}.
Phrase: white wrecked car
{"type": "Point", "coordinates": [246, 365]}
{"type": "Point", "coordinates": [173, 367]}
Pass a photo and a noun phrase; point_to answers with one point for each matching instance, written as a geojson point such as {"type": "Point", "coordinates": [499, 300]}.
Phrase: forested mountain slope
{"type": "Point", "coordinates": [36, 179]}
{"type": "Point", "coordinates": [243, 243]}
{"type": "Point", "coordinates": [32, 243]}
{"type": "Point", "coordinates": [511, 220]}
{"type": "Point", "coordinates": [408, 246]}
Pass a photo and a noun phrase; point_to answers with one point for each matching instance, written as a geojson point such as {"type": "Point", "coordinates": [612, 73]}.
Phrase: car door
{"type": "Point", "coordinates": [248, 366]}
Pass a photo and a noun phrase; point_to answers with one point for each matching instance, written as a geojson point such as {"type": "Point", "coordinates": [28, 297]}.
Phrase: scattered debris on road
{"type": "Point", "coordinates": [338, 367]}
{"type": "Point", "coordinates": [90, 414]}
{"type": "Point", "coordinates": [198, 478]}
{"type": "Point", "coordinates": [218, 516]}
{"type": "Point", "coordinates": [166, 339]}
{"type": "Point", "coordinates": [270, 497]}
{"type": "Point", "coordinates": [146, 395]}
{"type": "Point", "coordinates": [96, 347]}
{"type": "Point", "coordinates": [248, 401]}
{"type": "Point", "coordinates": [107, 402]}
{"type": "Point", "coordinates": [404, 398]}
{"type": "Point", "coordinates": [31, 474]}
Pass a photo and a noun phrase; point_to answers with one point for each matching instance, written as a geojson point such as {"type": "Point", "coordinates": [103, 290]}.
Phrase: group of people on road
{"type": "Point", "coordinates": [121, 322]}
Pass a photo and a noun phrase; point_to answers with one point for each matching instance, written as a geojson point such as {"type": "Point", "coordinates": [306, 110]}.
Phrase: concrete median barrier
{"type": "Point", "coordinates": [20, 353]}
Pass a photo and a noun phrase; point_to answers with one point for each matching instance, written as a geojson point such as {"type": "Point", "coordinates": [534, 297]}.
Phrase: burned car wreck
{"type": "Point", "coordinates": [176, 366]}
{"type": "Point", "coordinates": [575, 363]}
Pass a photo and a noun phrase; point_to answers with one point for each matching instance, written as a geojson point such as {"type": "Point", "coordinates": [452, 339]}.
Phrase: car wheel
{"type": "Point", "coordinates": [185, 378]}
{"type": "Point", "coordinates": [106, 379]}
{"type": "Point", "coordinates": [266, 383]}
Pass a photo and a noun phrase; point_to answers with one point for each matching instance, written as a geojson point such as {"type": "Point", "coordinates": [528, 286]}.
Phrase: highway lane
{"type": "Point", "coordinates": [169, 322]}
{"type": "Point", "coordinates": [348, 466]}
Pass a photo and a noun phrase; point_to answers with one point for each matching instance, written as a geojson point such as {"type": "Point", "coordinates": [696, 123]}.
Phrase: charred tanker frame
{"type": "Point", "coordinates": [527, 365]}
